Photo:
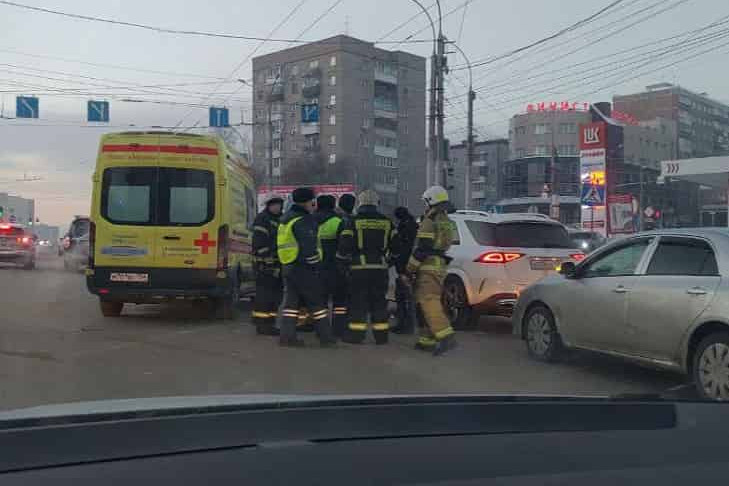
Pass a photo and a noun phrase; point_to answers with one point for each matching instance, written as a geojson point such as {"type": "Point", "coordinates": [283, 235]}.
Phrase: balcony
{"type": "Point", "coordinates": [311, 128]}
{"type": "Point", "coordinates": [311, 91]}
{"type": "Point", "coordinates": [385, 72]}
{"type": "Point", "coordinates": [383, 151]}
{"type": "Point", "coordinates": [277, 93]}
{"type": "Point", "coordinates": [385, 109]}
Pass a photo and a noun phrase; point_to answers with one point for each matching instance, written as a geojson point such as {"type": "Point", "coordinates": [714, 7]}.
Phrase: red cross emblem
{"type": "Point", "coordinates": [204, 243]}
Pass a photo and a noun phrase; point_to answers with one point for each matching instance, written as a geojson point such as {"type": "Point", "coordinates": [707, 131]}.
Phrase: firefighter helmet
{"type": "Point", "coordinates": [369, 198]}
{"type": "Point", "coordinates": [435, 195]}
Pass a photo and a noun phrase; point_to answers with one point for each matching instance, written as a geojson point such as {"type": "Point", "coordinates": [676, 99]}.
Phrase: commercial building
{"type": "Point", "coordinates": [342, 111]}
{"type": "Point", "coordinates": [702, 130]}
{"type": "Point", "coordinates": [702, 123]}
{"type": "Point", "coordinates": [16, 209]}
{"type": "Point", "coordinates": [486, 173]}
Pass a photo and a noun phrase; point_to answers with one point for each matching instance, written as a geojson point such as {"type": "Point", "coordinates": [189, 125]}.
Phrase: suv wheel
{"type": "Point", "coordinates": [29, 265]}
{"type": "Point", "coordinates": [711, 367]}
{"type": "Point", "coordinates": [542, 339]}
{"type": "Point", "coordinates": [111, 309]}
{"type": "Point", "coordinates": [456, 305]}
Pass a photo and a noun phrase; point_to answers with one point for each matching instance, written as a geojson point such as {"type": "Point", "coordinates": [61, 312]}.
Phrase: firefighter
{"type": "Point", "coordinates": [345, 244]}
{"type": "Point", "coordinates": [300, 257]}
{"type": "Point", "coordinates": [266, 267]}
{"type": "Point", "coordinates": [407, 229]}
{"type": "Point", "coordinates": [373, 237]}
{"type": "Point", "coordinates": [427, 268]}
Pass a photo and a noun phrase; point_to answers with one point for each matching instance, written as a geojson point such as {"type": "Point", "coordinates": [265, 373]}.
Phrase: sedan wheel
{"type": "Point", "coordinates": [711, 367]}
{"type": "Point", "coordinates": [542, 340]}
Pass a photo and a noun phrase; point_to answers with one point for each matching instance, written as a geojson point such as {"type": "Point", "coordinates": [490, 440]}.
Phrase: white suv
{"type": "Point", "coordinates": [497, 255]}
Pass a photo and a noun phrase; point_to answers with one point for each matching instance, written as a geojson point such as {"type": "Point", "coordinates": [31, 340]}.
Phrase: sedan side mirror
{"type": "Point", "coordinates": [568, 269]}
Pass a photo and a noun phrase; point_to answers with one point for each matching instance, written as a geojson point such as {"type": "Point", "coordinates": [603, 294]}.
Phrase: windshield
{"type": "Point", "coordinates": [495, 186]}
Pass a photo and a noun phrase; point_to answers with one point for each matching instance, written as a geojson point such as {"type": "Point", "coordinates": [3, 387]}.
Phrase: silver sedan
{"type": "Point", "coordinates": [658, 298]}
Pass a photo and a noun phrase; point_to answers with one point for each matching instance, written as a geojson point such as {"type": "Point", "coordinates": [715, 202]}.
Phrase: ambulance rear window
{"type": "Point", "coordinates": [128, 195]}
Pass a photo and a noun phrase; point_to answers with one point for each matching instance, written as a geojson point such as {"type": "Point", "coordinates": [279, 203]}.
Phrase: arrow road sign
{"type": "Point", "coordinates": [219, 117]}
{"type": "Point", "coordinates": [26, 107]}
{"type": "Point", "coordinates": [98, 111]}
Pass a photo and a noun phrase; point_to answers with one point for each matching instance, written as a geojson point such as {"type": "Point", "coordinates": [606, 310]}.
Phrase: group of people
{"type": "Point", "coordinates": [323, 253]}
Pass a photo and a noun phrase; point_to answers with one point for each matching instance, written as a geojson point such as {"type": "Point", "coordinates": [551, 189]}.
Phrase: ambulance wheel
{"type": "Point", "coordinates": [228, 307]}
{"type": "Point", "coordinates": [111, 309]}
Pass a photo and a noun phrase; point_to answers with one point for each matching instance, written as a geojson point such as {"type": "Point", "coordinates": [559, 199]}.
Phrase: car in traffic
{"type": "Point", "coordinates": [497, 255]}
{"type": "Point", "coordinates": [586, 241]}
{"type": "Point", "coordinates": [657, 298]}
{"type": "Point", "coordinates": [17, 245]}
{"type": "Point", "coordinates": [75, 244]}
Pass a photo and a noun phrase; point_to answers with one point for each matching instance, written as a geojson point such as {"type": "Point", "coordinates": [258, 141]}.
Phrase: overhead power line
{"type": "Point", "coordinates": [165, 30]}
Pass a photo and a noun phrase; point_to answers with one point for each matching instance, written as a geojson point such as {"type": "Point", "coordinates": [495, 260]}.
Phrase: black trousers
{"type": "Point", "coordinates": [268, 298]}
{"type": "Point", "coordinates": [368, 298]}
{"type": "Point", "coordinates": [336, 289]}
{"type": "Point", "coordinates": [405, 307]}
{"type": "Point", "coordinates": [303, 288]}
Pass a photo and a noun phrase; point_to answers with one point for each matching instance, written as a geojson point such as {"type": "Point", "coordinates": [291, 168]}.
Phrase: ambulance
{"type": "Point", "coordinates": [171, 218]}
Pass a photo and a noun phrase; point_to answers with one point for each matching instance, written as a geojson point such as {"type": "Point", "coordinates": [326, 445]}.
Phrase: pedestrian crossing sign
{"type": "Point", "coordinates": [592, 195]}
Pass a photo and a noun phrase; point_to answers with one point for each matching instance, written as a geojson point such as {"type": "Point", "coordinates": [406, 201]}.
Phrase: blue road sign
{"type": "Point", "coordinates": [592, 195]}
{"type": "Point", "coordinates": [98, 111]}
{"type": "Point", "coordinates": [26, 107]}
{"type": "Point", "coordinates": [309, 113]}
{"type": "Point", "coordinates": [219, 117]}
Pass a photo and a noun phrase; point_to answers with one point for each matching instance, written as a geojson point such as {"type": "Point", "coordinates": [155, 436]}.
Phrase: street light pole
{"type": "Point", "coordinates": [433, 145]}
{"type": "Point", "coordinates": [469, 137]}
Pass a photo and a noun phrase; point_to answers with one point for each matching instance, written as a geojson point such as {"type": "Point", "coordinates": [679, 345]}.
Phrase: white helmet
{"type": "Point", "coordinates": [435, 195]}
{"type": "Point", "coordinates": [369, 198]}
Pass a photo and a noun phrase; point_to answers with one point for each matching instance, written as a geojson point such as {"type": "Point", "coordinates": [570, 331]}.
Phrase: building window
{"type": "Point", "coordinates": [259, 95]}
{"type": "Point", "coordinates": [542, 128]}
{"type": "Point", "coordinates": [364, 141]}
{"type": "Point", "coordinates": [332, 119]}
{"type": "Point", "coordinates": [332, 80]}
{"type": "Point", "coordinates": [332, 139]}
{"type": "Point", "coordinates": [404, 128]}
{"type": "Point", "coordinates": [365, 105]}
{"type": "Point", "coordinates": [332, 158]}
{"type": "Point", "coordinates": [520, 153]}
{"type": "Point", "coordinates": [277, 144]}
{"type": "Point", "coordinates": [540, 150]}
{"type": "Point", "coordinates": [294, 88]}
{"type": "Point", "coordinates": [294, 70]}
{"type": "Point", "coordinates": [314, 64]}
{"type": "Point", "coordinates": [333, 100]}
{"type": "Point", "coordinates": [333, 61]}
{"type": "Point", "coordinates": [276, 163]}
{"type": "Point", "coordinates": [521, 130]}
{"type": "Point", "coordinates": [365, 123]}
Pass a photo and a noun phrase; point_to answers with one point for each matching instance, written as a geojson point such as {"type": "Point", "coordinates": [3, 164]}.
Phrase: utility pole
{"type": "Point", "coordinates": [432, 141]}
{"type": "Point", "coordinates": [441, 67]}
{"type": "Point", "coordinates": [469, 147]}
{"type": "Point", "coordinates": [554, 186]}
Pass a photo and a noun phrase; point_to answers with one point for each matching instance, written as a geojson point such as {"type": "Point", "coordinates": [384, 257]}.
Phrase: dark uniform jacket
{"type": "Point", "coordinates": [374, 238]}
{"type": "Point", "coordinates": [407, 230]}
{"type": "Point", "coordinates": [265, 227]}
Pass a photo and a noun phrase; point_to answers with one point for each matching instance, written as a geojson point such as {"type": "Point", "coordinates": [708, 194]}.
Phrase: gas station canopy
{"type": "Point", "coordinates": [707, 171]}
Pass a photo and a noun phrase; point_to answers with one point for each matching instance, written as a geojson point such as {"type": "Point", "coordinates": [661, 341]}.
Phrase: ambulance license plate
{"type": "Point", "coordinates": [129, 277]}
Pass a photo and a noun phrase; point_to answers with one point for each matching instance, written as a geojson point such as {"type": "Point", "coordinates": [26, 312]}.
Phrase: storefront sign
{"type": "Point", "coordinates": [622, 214]}
{"type": "Point", "coordinates": [284, 192]}
{"type": "Point", "coordinates": [557, 106]}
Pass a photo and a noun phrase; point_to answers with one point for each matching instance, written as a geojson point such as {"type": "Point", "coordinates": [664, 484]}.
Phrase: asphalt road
{"type": "Point", "coordinates": [56, 347]}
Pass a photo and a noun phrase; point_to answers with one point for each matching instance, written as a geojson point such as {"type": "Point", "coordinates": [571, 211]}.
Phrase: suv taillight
{"type": "Point", "coordinates": [223, 245]}
{"type": "Point", "coordinates": [498, 257]}
{"type": "Point", "coordinates": [578, 257]}
{"type": "Point", "coordinates": [92, 244]}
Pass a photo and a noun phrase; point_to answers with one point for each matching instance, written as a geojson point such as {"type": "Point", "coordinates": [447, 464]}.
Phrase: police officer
{"type": "Point", "coordinates": [407, 229]}
{"type": "Point", "coordinates": [427, 267]}
{"type": "Point", "coordinates": [300, 257]}
{"type": "Point", "coordinates": [373, 237]}
{"type": "Point", "coordinates": [333, 231]}
{"type": "Point", "coordinates": [266, 267]}
{"type": "Point", "coordinates": [345, 245]}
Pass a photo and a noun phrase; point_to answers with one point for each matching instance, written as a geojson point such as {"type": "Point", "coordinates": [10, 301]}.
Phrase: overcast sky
{"type": "Point", "coordinates": [50, 55]}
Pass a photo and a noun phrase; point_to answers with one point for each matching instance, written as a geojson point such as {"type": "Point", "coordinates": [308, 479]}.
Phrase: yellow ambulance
{"type": "Point", "coordinates": [170, 219]}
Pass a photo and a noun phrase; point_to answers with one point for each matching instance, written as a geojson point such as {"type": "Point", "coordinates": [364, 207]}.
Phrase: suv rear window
{"type": "Point", "coordinates": [158, 196]}
{"type": "Point", "coordinates": [520, 234]}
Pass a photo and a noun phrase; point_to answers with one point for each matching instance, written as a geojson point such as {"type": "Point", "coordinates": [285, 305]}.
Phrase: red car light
{"type": "Point", "coordinates": [578, 257]}
{"type": "Point", "coordinates": [498, 257]}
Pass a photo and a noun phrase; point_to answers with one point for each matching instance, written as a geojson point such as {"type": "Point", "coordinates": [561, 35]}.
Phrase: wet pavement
{"type": "Point", "coordinates": [55, 346]}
